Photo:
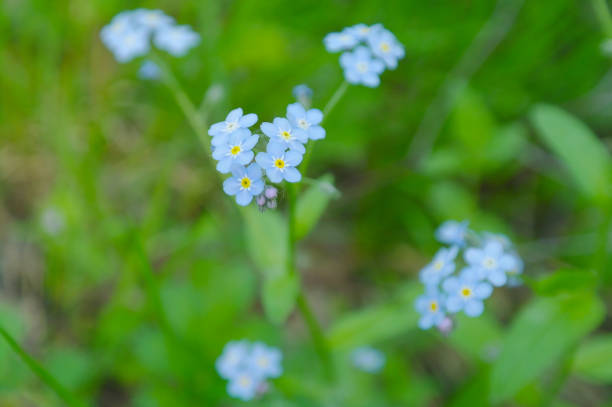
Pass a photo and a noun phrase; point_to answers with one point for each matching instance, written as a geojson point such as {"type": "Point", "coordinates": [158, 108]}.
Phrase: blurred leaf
{"type": "Point", "coordinates": [542, 332]}
{"type": "Point", "coordinates": [72, 367]}
{"type": "Point", "coordinates": [279, 295]}
{"type": "Point", "coordinates": [580, 150]}
{"type": "Point", "coordinates": [266, 238]}
{"type": "Point", "coordinates": [565, 281]}
{"type": "Point", "coordinates": [472, 123]}
{"type": "Point", "coordinates": [506, 145]}
{"type": "Point", "coordinates": [376, 323]}
{"type": "Point", "coordinates": [443, 193]}
{"type": "Point", "coordinates": [311, 204]}
{"type": "Point", "coordinates": [593, 360]}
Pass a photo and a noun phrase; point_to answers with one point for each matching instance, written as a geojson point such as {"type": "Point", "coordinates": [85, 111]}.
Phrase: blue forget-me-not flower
{"type": "Point", "coordinates": [362, 31]}
{"type": "Point", "coordinates": [452, 232]}
{"type": "Point", "coordinates": [361, 68]}
{"type": "Point", "coordinates": [279, 163]}
{"type": "Point", "coordinates": [149, 70]}
{"type": "Point", "coordinates": [490, 261]}
{"type": "Point", "coordinates": [235, 120]}
{"type": "Point", "coordinates": [303, 94]}
{"type": "Point", "coordinates": [307, 120]}
{"type": "Point", "coordinates": [265, 361]}
{"type": "Point", "coordinates": [431, 307]}
{"type": "Point", "coordinates": [466, 293]}
{"type": "Point", "coordinates": [368, 359]}
{"type": "Point", "coordinates": [245, 183]}
{"type": "Point", "coordinates": [341, 41]}
{"type": "Point", "coordinates": [231, 361]}
{"type": "Point", "coordinates": [152, 19]}
{"type": "Point", "coordinates": [176, 40]}
{"type": "Point", "coordinates": [442, 265]}
{"type": "Point", "coordinates": [282, 132]}
{"type": "Point", "coordinates": [386, 47]}
{"type": "Point", "coordinates": [237, 150]}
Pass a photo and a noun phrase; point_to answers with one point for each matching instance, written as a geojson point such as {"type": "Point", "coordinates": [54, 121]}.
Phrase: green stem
{"type": "Point", "coordinates": [195, 117]}
{"type": "Point", "coordinates": [333, 101]}
{"type": "Point", "coordinates": [42, 374]}
{"type": "Point", "coordinates": [316, 332]}
{"type": "Point", "coordinates": [603, 15]}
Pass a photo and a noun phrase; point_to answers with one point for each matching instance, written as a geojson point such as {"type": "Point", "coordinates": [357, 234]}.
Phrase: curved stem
{"type": "Point", "coordinates": [41, 372]}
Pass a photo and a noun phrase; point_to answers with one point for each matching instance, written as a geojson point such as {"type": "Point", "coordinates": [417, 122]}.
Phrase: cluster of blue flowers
{"type": "Point", "coordinates": [233, 144]}
{"type": "Point", "coordinates": [130, 33]}
{"type": "Point", "coordinates": [368, 50]}
{"type": "Point", "coordinates": [247, 366]}
{"type": "Point", "coordinates": [489, 260]}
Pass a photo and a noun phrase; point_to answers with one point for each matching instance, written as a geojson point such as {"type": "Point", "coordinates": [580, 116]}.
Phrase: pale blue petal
{"type": "Point", "coordinates": [276, 149]}
{"type": "Point", "coordinates": [454, 304]}
{"type": "Point", "coordinates": [225, 165]}
{"type": "Point", "coordinates": [243, 198]}
{"type": "Point", "coordinates": [451, 284]}
{"type": "Point", "coordinates": [497, 278]}
{"type": "Point", "coordinates": [269, 129]}
{"type": "Point", "coordinates": [257, 187]}
{"type": "Point", "coordinates": [264, 160]}
{"type": "Point", "coordinates": [292, 175]}
{"type": "Point", "coordinates": [483, 290]}
{"type": "Point", "coordinates": [370, 79]}
{"type": "Point", "coordinates": [297, 147]}
{"type": "Point", "coordinates": [250, 142]}
{"type": "Point", "coordinates": [254, 171]}
{"type": "Point", "coordinates": [220, 139]}
{"type": "Point", "coordinates": [316, 133]}
{"type": "Point", "coordinates": [426, 321]}
{"type": "Point", "coordinates": [296, 111]}
{"type": "Point", "coordinates": [245, 157]}
{"type": "Point", "coordinates": [231, 186]}
{"type": "Point", "coordinates": [293, 158]}
{"type": "Point", "coordinates": [314, 116]}
{"type": "Point", "coordinates": [473, 308]}
{"type": "Point", "coordinates": [473, 256]}
{"type": "Point", "coordinates": [274, 174]}
{"type": "Point", "coordinates": [234, 115]}
{"type": "Point", "coordinates": [248, 120]}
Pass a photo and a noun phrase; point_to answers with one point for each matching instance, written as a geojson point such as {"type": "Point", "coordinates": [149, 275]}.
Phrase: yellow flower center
{"type": "Point", "coordinates": [245, 182]}
{"type": "Point", "coordinates": [466, 292]}
{"type": "Point", "coordinates": [235, 150]}
{"type": "Point", "coordinates": [279, 163]}
{"type": "Point", "coordinates": [433, 306]}
{"type": "Point", "coordinates": [385, 47]}
{"type": "Point", "coordinates": [286, 135]}
{"type": "Point", "coordinates": [438, 265]}
{"type": "Point", "coordinates": [244, 381]}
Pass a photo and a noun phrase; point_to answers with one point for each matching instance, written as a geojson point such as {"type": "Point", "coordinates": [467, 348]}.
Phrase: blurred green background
{"type": "Point", "coordinates": [100, 174]}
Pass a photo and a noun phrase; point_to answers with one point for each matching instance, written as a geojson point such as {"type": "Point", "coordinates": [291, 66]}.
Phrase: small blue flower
{"type": "Point", "coordinates": [282, 132]}
{"type": "Point", "coordinates": [152, 19]}
{"type": "Point", "coordinates": [302, 92]}
{"type": "Point", "coordinates": [234, 121]}
{"type": "Point", "coordinates": [497, 237]}
{"type": "Point", "coordinates": [245, 183]}
{"type": "Point", "coordinates": [133, 43]}
{"type": "Point", "coordinates": [363, 31]}
{"type": "Point", "coordinates": [232, 359]}
{"type": "Point", "coordinates": [176, 40]}
{"type": "Point", "coordinates": [341, 41]}
{"type": "Point", "coordinates": [442, 265]}
{"type": "Point", "coordinates": [490, 261]}
{"type": "Point", "coordinates": [236, 150]}
{"type": "Point", "coordinates": [280, 164]}
{"type": "Point", "coordinates": [386, 47]}
{"type": "Point", "coordinates": [112, 34]}
{"type": "Point", "coordinates": [244, 385]}
{"type": "Point", "coordinates": [361, 68]}
{"type": "Point", "coordinates": [431, 307]}
{"type": "Point", "coordinates": [307, 120]}
{"type": "Point", "coordinates": [466, 293]}
{"type": "Point", "coordinates": [265, 361]}
{"type": "Point", "coordinates": [452, 232]}
{"type": "Point", "coordinates": [368, 359]}
{"type": "Point", "coordinates": [149, 70]}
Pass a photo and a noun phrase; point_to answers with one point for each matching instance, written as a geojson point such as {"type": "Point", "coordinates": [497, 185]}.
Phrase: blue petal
{"type": "Point", "coordinates": [292, 175]}
{"type": "Point", "coordinates": [454, 304]}
{"type": "Point", "coordinates": [257, 187]}
{"type": "Point", "coordinates": [497, 278]}
{"type": "Point", "coordinates": [314, 116]}
{"type": "Point", "coordinates": [234, 115]}
{"type": "Point", "coordinates": [254, 171]}
{"type": "Point", "coordinates": [225, 165]}
{"type": "Point", "coordinates": [269, 129]}
{"type": "Point", "coordinates": [276, 149]}
{"type": "Point", "coordinates": [316, 133]}
{"type": "Point", "coordinates": [293, 158]}
{"type": "Point", "coordinates": [295, 111]}
{"type": "Point", "coordinates": [243, 198]}
{"type": "Point", "coordinates": [231, 186]}
{"type": "Point", "coordinates": [245, 157]}
{"type": "Point", "coordinates": [473, 308]}
{"type": "Point", "coordinates": [264, 160]}
{"type": "Point", "coordinates": [250, 142]}
{"type": "Point", "coordinates": [248, 120]}
{"type": "Point", "coordinates": [274, 174]}
{"type": "Point", "coordinates": [371, 80]}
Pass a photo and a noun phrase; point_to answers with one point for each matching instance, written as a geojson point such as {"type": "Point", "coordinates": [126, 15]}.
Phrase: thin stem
{"type": "Point", "coordinates": [333, 101]}
{"type": "Point", "coordinates": [42, 374]}
{"type": "Point", "coordinates": [603, 15]}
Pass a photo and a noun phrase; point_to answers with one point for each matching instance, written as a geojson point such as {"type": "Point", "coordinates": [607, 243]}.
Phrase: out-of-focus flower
{"type": "Point", "coordinates": [442, 265]}
{"type": "Point", "coordinates": [452, 232]}
{"type": "Point", "coordinates": [235, 120]}
{"type": "Point", "coordinates": [465, 293]}
{"type": "Point", "coordinates": [152, 19]}
{"type": "Point", "coordinates": [307, 120]}
{"type": "Point", "coordinates": [363, 31]}
{"type": "Point", "coordinates": [244, 385]}
{"type": "Point", "coordinates": [361, 68]}
{"type": "Point", "coordinates": [244, 184]}
{"type": "Point", "coordinates": [237, 150]}
{"type": "Point", "coordinates": [280, 164]}
{"type": "Point", "coordinates": [281, 132]}
{"type": "Point", "coordinates": [386, 47]}
{"type": "Point", "coordinates": [431, 307]}
{"type": "Point", "coordinates": [341, 41]}
{"type": "Point", "coordinates": [176, 40]}
{"type": "Point", "coordinates": [265, 361]}
{"type": "Point", "coordinates": [231, 361]}
{"type": "Point", "coordinates": [368, 359]}
{"type": "Point", "coordinates": [491, 261]}
{"type": "Point", "coordinates": [149, 70]}
{"type": "Point", "coordinates": [303, 94]}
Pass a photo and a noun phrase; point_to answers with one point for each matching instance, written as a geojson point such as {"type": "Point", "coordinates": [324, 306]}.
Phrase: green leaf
{"type": "Point", "coordinates": [542, 333]}
{"type": "Point", "coordinates": [565, 281]}
{"type": "Point", "coordinates": [266, 238]}
{"type": "Point", "coordinates": [311, 204]}
{"type": "Point", "coordinates": [279, 296]}
{"type": "Point", "coordinates": [593, 360]}
{"type": "Point", "coordinates": [473, 123]}
{"type": "Point", "coordinates": [73, 368]}
{"type": "Point", "coordinates": [378, 322]}
{"type": "Point", "coordinates": [578, 148]}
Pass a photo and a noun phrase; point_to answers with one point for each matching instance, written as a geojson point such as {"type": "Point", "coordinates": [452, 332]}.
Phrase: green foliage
{"type": "Point", "coordinates": [592, 359]}
{"type": "Point", "coordinates": [312, 203]}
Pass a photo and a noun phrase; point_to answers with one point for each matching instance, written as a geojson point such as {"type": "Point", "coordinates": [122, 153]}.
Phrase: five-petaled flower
{"type": "Point", "coordinates": [490, 262]}
{"type": "Point", "coordinates": [265, 361]}
{"type": "Point", "coordinates": [282, 132]}
{"type": "Point", "coordinates": [176, 40]}
{"type": "Point", "coordinates": [341, 41]}
{"type": "Point", "coordinates": [235, 120]}
{"type": "Point", "coordinates": [307, 120]}
{"type": "Point", "coordinates": [386, 47]}
{"type": "Point", "coordinates": [237, 149]}
{"type": "Point", "coordinates": [452, 232]}
{"type": "Point", "coordinates": [466, 293]}
{"type": "Point", "coordinates": [442, 265]}
{"type": "Point", "coordinates": [279, 163]}
{"type": "Point", "coordinates": [245, 183]}
{"type": "Point", "coordinates": [431, 307]}
{"type": "Point", "coordinates": [361, 68]}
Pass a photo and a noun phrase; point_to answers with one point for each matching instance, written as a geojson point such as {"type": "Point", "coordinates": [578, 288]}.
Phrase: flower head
{"type": "Point", "coordinates": [303, 94]}
{"type": "Point", "coordinates": [231, 361]}
{"type": "Point", "coordinates": [245, 183]}
{"type": "Point", "coordinates": [490, 261]}
{"type": "Point", "coordinates": [234, 121]}
{"type": "Point", "coordinates": [307, 120]}
{"type": "Point", "coordinates": [466, 293]}
{"type": "Point", "coordinates": [152, 19]}
{"type": "Point", "coordinates": [368, 359]}
{"type": "Point", "coordinates": [280, 164]}
{"type": "Point", "coordinates": [131, 43]}
{"type": "Point", "coordinates": [386, 47]}
{"type": "Point", "coordinates": [442, 265]}
{"type": "Point", "coordinates": [237, 150]}
{"type": "Point", "coordinates": [452, 232]}
{"type": "Point", "coordinates": [341, 41]}
{"type": "Point", "coordinates": [176, 40]}
{"type": "Point", "coordinates": [282, 132]}
{"type": "Point", "coordinates": [363, 31]}
{"type": "Point", "coordinates": [265, 361]}
{"type": "Point", "coordinates": [112, 34]}
{"type": "Point", "coordinates": [244, 385]}
{"type": "Point", "coordinates": [149, 70]}
{"type": "Point", "coordinates": [431, 306]}
{"type": "Point", "coordinates": [361, 68]}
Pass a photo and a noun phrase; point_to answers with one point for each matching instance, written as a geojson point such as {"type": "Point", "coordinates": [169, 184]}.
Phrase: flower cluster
{"type": "Point", "coordinates": [489, 260]}
{"type": "Point", "coordinates": [130, 33]}
{"type": "Point", "coordinates": [368, 50]}
{"type": "Point", "coordinates": [233, 145]}
{"type": "Point", "coordinates": [247, 366]}
{"type": "Point", "coordinates": [368, 359]}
